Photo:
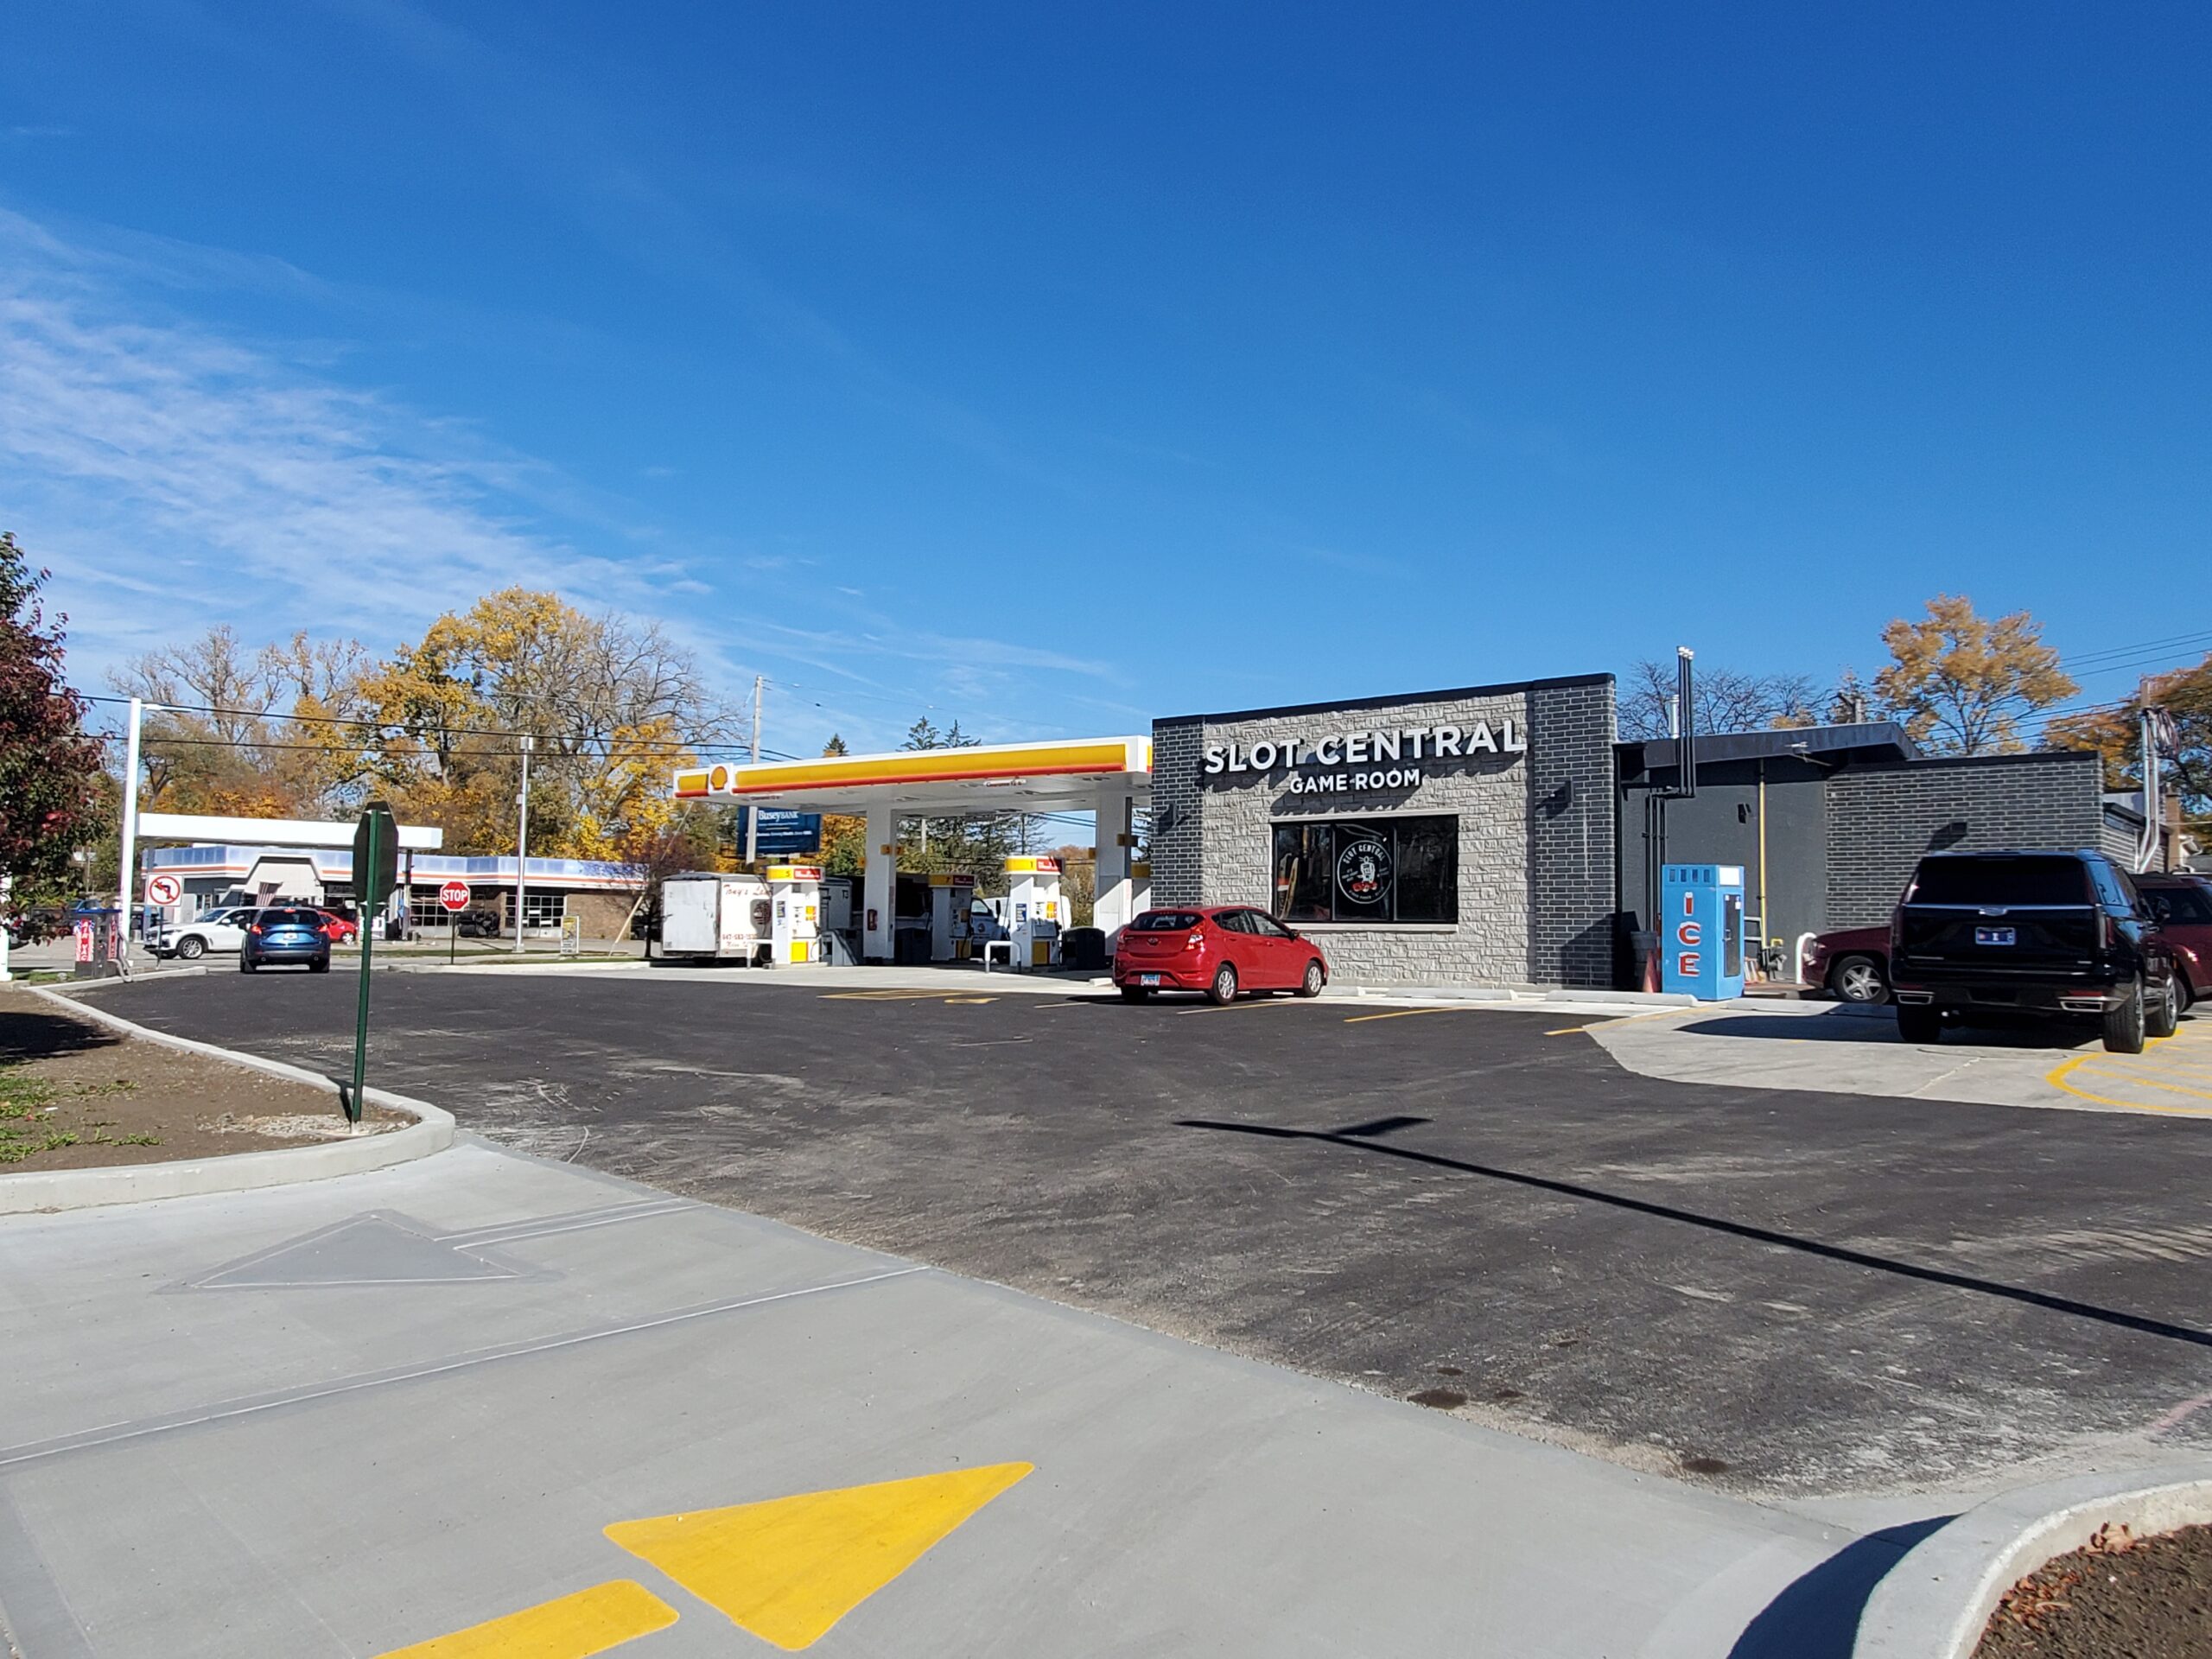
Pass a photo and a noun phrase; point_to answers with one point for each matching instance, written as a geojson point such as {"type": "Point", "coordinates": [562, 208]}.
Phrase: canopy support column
{"type": "Point", "coordinates": [1115, 843]}
{"type": "Point", "coordinates": [879, 884]}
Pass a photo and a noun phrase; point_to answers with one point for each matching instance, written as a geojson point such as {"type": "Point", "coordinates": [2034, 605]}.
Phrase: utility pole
{"type": "Point", "coordinates": [2147, 849]}
{"type": "Point", "coordinates": [752, 808]}
{"type": "Point", "coordinates": [522, 844]}
{"type": "Point", "coordinates": [125, 877]}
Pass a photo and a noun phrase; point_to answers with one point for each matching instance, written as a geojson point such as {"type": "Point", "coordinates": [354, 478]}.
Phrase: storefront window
{"type": "Point", "coordinates": [1383, 870]}
{"type": "Point", "coordinates": [1302, 861]}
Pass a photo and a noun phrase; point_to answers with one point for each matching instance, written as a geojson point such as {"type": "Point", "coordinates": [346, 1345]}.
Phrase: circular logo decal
{"type": "Point", "coordinates": [1363, 870]}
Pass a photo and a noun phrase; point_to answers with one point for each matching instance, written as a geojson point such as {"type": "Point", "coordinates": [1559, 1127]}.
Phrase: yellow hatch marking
{"type": "Point", "coordinates": [2139, 1081]}
{"type": "Point", "coordinates": [789, 1568]}
{"type": "Point", "coordinates": [575, 1627]}
{"type": "Point", "coordinates": [2061, 1076]}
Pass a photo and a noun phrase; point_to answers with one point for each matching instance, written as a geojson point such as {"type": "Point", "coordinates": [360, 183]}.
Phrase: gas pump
{"type": "Point", "coordinates": [949, 902]}
{"type": "Point", "coordinates": [1034, 912]}
{"type": "Point", "coordinates": [796, 891]}
{"type": "Point", "coordinates": [1701, 931]}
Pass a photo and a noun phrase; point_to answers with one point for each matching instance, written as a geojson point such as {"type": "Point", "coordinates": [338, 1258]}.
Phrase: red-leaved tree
{"type": "Point", "coordinates": [50, 798]}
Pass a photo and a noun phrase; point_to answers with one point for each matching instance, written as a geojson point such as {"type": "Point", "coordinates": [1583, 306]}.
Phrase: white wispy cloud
{"type": "Point", "coordinates": [174, 475]}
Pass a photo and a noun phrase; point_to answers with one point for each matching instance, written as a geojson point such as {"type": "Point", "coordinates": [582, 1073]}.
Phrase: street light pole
{"type": "Point", "coordinates": [522, 845]}
{"type": "Point", "coordinates": [752, 808]}
{"type": "Point", "coordinates": [123, 879]}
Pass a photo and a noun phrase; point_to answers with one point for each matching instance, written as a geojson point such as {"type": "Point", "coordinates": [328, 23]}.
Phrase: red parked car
{"type": "Point", "coordinates": [1221, 949]}
{"type": "Point", "coordinates": [338, 926]}
{"type": "Point", "coordinates": [2182, 905]}
{"type": "Point", "coordinates": [1850, 965]}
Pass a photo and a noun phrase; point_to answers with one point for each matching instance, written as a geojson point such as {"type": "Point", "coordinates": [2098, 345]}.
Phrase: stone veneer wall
{"type": "Point", "coordinates": [1536, 831]}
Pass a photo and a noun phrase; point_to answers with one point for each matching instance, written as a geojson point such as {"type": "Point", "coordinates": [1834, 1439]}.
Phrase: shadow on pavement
{"type": "Point", "coordinates": [1817, 1616]}
{"type": "Point", "coordinates": [1361, 1138]}
{"type": "Point", "coordinates": [1880, 1026]}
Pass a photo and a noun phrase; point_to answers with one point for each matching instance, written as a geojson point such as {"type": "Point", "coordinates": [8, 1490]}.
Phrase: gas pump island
{"type": "Point", "coordinates": [951, 906]}
{"type": "Point", "coordinates": [1108, 779]}
{"type": "Point", "coordinates": [1701, 944]}
{"type": "Point", "coordinates": [795, 929]}
{"type": "Point", "coordinates": [1032, 911]}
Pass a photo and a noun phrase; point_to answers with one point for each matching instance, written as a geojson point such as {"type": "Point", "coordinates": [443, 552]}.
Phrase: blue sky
{"type": "Point", "coordinates": [1052, 370]}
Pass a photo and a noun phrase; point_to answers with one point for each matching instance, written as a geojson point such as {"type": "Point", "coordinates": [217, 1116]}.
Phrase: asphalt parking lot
{"type": "Point", "coordinates": [1774, 1291]}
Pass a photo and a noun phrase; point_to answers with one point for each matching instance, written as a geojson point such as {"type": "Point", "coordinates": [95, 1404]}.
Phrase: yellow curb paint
{"type": "Point", "coordinates": [789, 1568]}
{"type": "Point", "coordinates": [575, 1627]}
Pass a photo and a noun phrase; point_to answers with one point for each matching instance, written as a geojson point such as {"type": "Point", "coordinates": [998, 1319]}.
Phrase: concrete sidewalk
{"type": "Point", "coordinates": [350, 1417]}
{"type": "Point", "coordinates": [1832, 1048]}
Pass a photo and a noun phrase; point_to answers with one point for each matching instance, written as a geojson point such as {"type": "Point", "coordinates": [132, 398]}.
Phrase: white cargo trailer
{"type": "Point", "coordinates": [722, 917]}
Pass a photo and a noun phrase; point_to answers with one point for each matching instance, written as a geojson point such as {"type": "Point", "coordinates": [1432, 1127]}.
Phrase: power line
{"type": "Point", "coordinates": [2174, 642]}
{"type": "Point", "coordinates": [673, 746]}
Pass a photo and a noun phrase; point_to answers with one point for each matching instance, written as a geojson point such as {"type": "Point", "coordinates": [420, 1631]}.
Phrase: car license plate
{"type": "Point", "coordinates": [1995, 936]}
{"type": "Point", "coordinates": [1148, 979]}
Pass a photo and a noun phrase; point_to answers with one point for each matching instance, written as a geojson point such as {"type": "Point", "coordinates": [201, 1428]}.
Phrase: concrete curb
{"type": "Point", "coordinates": [1530, 996]}
{"type": "Point", "coordinates": [1937, 1601]}
{"type": "Point", "coordinates": [243, 1172]}
{"type": "Point", "coordinates": [417, 965]}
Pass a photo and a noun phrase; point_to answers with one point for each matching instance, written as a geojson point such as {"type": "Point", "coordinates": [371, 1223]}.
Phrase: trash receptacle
{"type": "Point", "coordinates": [1083, 948]}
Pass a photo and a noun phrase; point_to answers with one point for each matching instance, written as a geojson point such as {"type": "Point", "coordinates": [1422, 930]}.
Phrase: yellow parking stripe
{"type": "Point", "coordinates": [1244, 1002]}
{"type": "Point", "coordinates": [1397, 1013]}
{"type": "Point", "coordinates": [575, 1627]}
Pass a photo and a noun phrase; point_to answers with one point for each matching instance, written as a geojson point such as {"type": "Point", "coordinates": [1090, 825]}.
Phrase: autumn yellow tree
{"type": "Point", "coordinates": [2115, 733]}
{"type": "Point", "coordinates": [1961, 683]}
{"type": "Point", "coordinates": [611, 707]}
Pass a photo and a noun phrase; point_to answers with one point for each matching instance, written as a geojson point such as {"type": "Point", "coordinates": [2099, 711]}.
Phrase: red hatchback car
{"type": "Point", "coordinates": [1221, 949]}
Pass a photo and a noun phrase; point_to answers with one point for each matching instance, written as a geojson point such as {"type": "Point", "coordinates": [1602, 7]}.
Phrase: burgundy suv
{"type": "Point", "coordinates": [1221, 949]}
{"type": "Point", "coordinates": [2181, 905]}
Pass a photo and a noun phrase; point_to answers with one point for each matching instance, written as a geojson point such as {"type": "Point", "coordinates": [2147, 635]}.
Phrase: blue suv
{"type": "Point", "coordinates": [277, 935]}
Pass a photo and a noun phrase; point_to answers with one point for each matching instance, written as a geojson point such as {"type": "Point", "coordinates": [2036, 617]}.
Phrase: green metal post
{"type": "Point", "coordinates": [368, 950]}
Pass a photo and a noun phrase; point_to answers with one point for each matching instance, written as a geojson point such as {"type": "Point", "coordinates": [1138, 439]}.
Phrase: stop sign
{"type": "Point", "coordinates": [453, 895]}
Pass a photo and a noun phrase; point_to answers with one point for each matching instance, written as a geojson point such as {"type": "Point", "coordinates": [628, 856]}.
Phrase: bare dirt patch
{"type": "Point", "coordinates": [74, 1095]}
{"type": "Point", "coordinates": [2117, 1598]}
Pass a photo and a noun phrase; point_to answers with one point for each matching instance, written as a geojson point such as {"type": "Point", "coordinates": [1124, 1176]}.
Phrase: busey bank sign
{"type": "Point", "coordinates": [1369, 759]}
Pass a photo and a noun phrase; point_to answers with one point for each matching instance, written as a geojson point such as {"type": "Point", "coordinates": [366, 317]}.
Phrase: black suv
{"type": "Point", "coordinates": [2050, 934]}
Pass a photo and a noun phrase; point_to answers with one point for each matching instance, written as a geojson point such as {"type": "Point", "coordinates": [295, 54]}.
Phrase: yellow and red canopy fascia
{"type": "Point", "coordinates": [1106, 757]}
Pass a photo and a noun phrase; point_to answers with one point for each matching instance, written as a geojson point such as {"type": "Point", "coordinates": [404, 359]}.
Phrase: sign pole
{"type": "Point", "coordinates": [376, 865]}
{"type": "Point", "coordinates": [373, 825]}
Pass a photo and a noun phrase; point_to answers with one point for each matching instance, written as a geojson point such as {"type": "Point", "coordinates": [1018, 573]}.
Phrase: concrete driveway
{"type": "Point", "coordinates": [1778, 1291]}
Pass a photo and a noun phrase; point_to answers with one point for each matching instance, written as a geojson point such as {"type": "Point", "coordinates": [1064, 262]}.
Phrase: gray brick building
{"type": "Point", "coordinates": [1465, 835]}
{"type": "Point", "coordinates": [1881, 819]}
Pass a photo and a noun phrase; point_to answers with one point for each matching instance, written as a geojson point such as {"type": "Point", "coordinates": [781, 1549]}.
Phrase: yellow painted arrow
{"type": "Point", "coordinates": [789, 1568]}
{"type": "Point", "coordinates": [575, 1627]}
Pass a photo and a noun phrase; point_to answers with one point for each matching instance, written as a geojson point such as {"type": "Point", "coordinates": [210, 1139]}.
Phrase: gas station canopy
{"type": "Point", "coordinates": [1059, 777]}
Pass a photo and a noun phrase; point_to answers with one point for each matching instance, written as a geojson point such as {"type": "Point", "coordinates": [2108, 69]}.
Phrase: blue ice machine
{"type": "Point", "coordinates": [1701, 931]}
